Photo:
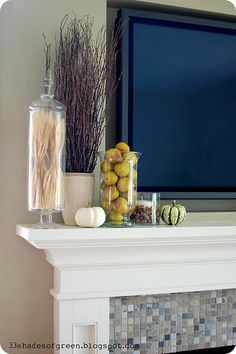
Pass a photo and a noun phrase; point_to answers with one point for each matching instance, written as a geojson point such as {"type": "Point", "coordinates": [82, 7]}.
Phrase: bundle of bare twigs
{"type": "Point", "coordinates": [84, 83]}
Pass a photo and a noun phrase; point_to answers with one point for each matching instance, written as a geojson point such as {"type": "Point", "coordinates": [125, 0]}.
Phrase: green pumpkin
{"type": "Point", "coordinates": [173, 214]}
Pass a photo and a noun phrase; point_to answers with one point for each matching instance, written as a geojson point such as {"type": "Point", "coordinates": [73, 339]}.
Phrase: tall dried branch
{"type": "Point", "coordinates": [84, 83]}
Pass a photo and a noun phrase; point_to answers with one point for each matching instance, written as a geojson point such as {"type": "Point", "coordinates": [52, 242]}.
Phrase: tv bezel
{"type": "Point", "coordinates": [124, 100]}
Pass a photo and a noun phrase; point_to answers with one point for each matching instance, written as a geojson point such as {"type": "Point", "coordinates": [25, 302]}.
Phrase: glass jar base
{"type": "Point", "coordinates": [119, 224]}
{"type": "Point", "coordinates": [46, 222]}
{"type": "Point", "coordinates": [51, 225]}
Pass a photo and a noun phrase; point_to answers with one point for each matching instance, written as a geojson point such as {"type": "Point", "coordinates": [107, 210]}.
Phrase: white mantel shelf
{"type": "Point", "coordinates": [199, 254]}
{"type": "Point", "coordinates": [92, 265]}
{"type": "Point", "coordinates": [199, 228]}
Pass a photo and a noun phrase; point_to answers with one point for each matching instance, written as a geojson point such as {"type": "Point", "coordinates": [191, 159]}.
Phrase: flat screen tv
{"type": "Point", "coordinates": [177, 103]}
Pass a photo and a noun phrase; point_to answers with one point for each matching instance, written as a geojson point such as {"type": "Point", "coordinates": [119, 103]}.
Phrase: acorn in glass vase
{"type": "Point", "coordinates": [118, 189]}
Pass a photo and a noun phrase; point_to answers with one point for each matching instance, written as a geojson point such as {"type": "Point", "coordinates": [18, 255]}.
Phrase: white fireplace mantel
{"type": "Point", "coordinates": [199, 254]}
{"type": "Point", "coordinates": [91, 265]}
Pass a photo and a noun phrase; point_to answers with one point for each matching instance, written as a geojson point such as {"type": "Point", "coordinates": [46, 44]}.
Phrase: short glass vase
{"type": "Point", "coordinates": [118, 187]}
{"type": "Point", "coordinates": [147, 210]}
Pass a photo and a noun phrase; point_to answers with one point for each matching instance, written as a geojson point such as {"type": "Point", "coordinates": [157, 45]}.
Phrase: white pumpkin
{"type": "Point", "coordinates": [90, 217]}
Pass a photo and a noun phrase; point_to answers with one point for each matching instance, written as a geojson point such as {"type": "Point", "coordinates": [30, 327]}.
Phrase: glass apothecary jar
{"type": "Point", "coordinates": [46, 154]}
{"type": "Point", "coordinates": [147, 210]}
{"type": "Point", "coordinates": [118, 189]}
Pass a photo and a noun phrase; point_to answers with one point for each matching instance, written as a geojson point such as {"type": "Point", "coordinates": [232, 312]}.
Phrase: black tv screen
{"type": "Point", "coordinates": [177, 103]}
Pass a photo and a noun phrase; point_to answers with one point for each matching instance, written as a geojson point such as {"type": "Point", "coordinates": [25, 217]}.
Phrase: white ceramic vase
{"type": "Point", "coordinates": [79, 189]}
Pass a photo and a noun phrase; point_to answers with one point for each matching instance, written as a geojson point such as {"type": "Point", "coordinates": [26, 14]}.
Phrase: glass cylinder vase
{"type": "Point", "coordinates": [46, 155]}
{"type": "Point", "coordinates": [147, 210]}
{"type": "Point", "coordinates": [118, 188]}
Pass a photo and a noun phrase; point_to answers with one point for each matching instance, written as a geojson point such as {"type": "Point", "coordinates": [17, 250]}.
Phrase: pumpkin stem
{"type": "Point", "coordinates": [174, 202]}
{"type": "Point", "coordinates": [89, 204]}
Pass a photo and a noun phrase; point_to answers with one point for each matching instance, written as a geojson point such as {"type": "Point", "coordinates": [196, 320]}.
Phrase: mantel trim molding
{"type": "Point", "coordinates": [198, 255]}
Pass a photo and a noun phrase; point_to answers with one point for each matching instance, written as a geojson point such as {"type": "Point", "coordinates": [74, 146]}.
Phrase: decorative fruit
{"type": "Point", "coordinates": [122, 169]}
{"type": "Point", "coordinates": [110, 193]}
{"type": "Point", "coordinates": [114, 216]}
{"type": "Point", "coordinates": [173, 214]}
{"type": "Point", "coordinates": [105, 205]}
{"type": "Point", "coordinates": [106, 167]}
{"type": "Point", "coordinates": [120, 205]}
{"type": "Point", "coordinates": [130, 156]}
{"type": "Point", "coordinates": [110, 178]}
{"type": "Point", "coordinates": [123, 184]}
{"type": "Point", "coordinates": [118, 195]}
{"type": "Point", "coordinates": [131, 196]}
{"type": "Point", "coordinates": [123, 147]}
{"type": "Point", "coordinates": [90, 217]}
{"type": "Point", "coordinates": [113, 156]}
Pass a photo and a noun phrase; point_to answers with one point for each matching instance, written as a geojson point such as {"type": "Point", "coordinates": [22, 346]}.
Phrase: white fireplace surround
{"type": "Point", "coordinates": [91, 265]}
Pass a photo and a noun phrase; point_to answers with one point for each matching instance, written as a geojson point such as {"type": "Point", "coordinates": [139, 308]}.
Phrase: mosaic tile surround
{"type": "Point", "coordinates": [173, 322]}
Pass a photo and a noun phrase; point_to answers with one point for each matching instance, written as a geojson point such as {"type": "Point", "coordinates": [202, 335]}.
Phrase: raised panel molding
{"type": "Point", "coordinates": [84, 335]}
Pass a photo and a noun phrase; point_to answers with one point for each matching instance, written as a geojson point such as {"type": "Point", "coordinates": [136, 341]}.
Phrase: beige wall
{"type": "Point", "coordinates": [25, 303]}
{"type": "Point", "coordinates": [26, 310]}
